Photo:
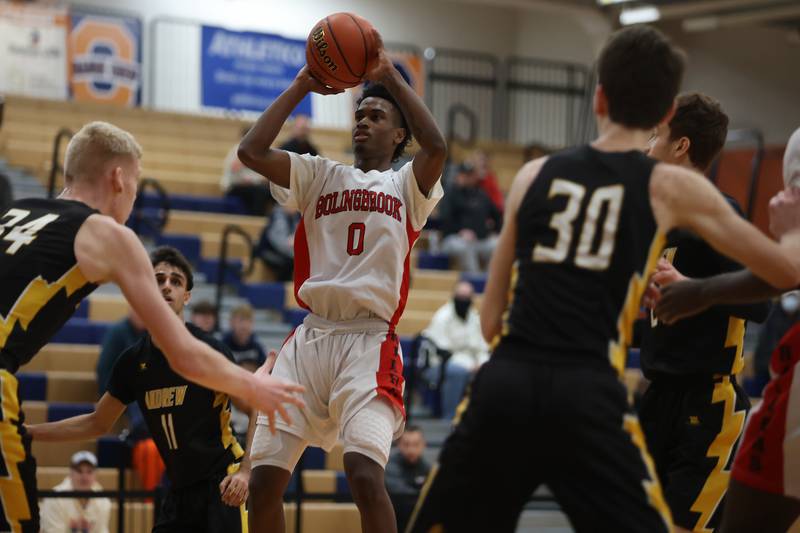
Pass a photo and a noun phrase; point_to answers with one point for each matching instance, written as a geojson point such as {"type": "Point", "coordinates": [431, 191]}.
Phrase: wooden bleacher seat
{"type": "Point", "coordinates": [139, 516]}
{"type": "Point", "coordinates": [193, 223]}
{"type": "Point", "coordinates": [59, 453]}
{"type": "Point", "coordinates": [71, 357]}
{"type": "Point", "coordinates": [323, 517]}
{"type": "Point", "coordinates": [71, 386]}
{"type": "Point", "coordinates": [35, 412]}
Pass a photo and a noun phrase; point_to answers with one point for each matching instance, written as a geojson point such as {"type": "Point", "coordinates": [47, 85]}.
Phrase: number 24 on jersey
{"type": "Point", "coordinates": [21, 235]}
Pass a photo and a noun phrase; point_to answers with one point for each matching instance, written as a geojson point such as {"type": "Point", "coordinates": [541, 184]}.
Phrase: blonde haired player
{"type": "Point", "coordinates": [54, 253]}
{"type": "Point", "coordinates": [352, 250]}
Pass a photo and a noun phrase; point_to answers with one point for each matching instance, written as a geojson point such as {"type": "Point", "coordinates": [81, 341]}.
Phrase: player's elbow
{"type": "Point", "coordinates": [246, 153]}
{"type": "Point", "coordinates": [490, 327]}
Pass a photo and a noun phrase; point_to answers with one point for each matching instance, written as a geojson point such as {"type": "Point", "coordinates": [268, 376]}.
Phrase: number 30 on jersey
{"type": "Point", "coordinates": [586, 255]}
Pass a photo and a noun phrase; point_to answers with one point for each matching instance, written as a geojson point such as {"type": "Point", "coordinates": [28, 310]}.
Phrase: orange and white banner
{"type": "Point", "coordinates": [33, 49]}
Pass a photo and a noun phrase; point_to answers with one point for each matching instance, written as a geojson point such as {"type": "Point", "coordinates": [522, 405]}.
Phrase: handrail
{"type": "Point", "coordinates": [746, 136]}
{"type": "Point", "coordinates": [472, 119]}
{"type": "Point", "coordinates": [55, 166]}
{"type": "Point", "coordinates": [222, 267]}
{"type": "Point", "coordinates": [138, 205]}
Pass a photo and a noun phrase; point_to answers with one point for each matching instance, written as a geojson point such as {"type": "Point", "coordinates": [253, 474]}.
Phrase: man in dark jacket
{"type": "Point", "coordinates": [406, 472]}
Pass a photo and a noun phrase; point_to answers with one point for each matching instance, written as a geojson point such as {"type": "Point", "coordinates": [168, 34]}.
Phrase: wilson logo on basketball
{"type": "Point", "coordinates": [322, 49]}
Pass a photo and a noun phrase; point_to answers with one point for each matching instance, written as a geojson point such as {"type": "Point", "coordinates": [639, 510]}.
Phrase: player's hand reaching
{"type": "Point", "coordinates": [312, 84]}
{"type": "Point", "coordinates": [381, 65]}
{"type": "Point", "coordinates": [665, 274]}
{"type": "Point", "coordinates": [234, 488]}
{"type": "Point", "coordinates": [680, 300]}
{"type": "Point", "coordinates": [784, 212]}
{"type": "Point", "coordinates": [272, 394]}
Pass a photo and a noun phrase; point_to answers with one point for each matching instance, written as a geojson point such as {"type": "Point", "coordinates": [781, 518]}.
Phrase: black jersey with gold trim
{"type": "Point", "coordinates": [41, 282]}
{"type": "Point", "coordinates": [711, 342]}
{"type": "Point", "coordinates": [586, 240]}
{"type": "Point", "coordinates": [190, 424]}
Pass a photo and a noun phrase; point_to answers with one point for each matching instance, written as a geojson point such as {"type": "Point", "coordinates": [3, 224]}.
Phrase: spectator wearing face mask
{"type": "Point", "coordinates": [456, 328]}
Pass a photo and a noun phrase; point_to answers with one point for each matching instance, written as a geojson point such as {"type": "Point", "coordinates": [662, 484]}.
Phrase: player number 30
{"type": "Point", "coordinates": [563, 222]}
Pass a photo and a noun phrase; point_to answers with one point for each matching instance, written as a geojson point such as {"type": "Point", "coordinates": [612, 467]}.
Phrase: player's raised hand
{"type": "Point", "coordinates": [680, 300]}
{"type": "Point", "coordinates": [234, 488]}
{"type": "Point", "coordinates": [381, 65]}
{"type": "Point", "coordinates": [312, 84]}
{"type": "Point", "coordinates": [784, 212]}
{"type": "Point", "coordinates": [271, 395]}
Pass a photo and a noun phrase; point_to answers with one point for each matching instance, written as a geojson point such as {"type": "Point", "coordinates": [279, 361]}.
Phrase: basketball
{"type": "Point", "coordinates": [340, 49]}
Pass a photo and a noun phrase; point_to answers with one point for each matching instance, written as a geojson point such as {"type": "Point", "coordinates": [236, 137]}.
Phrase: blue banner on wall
{"type": "Point", "coordinates": [248, 70]}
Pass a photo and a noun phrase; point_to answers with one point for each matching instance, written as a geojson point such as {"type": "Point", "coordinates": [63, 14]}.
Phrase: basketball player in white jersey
{"type": "Point", "coordinates": [352, 251]}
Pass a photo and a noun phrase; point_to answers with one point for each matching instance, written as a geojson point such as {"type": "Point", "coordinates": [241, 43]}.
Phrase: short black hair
{"type": "Point", "coordinates": [412, 429]}
{"type": "Point", "coordinates": [701, 119]}
{"type": "Point", "coordinates": [171, 256]}
{"type": "Point", "coordinates": [640, 72]}
{"type": "Point", "coordinates": [379, 91]}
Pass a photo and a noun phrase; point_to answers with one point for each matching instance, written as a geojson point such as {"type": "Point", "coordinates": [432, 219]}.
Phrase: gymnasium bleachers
{"type": "Point", "coordinates": [185, 154]}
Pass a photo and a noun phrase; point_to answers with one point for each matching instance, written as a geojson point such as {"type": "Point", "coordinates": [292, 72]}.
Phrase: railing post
{"type": "Point", "coordinates": [222, 266]}
{"type": "Point", "coordinates": [55, 166]}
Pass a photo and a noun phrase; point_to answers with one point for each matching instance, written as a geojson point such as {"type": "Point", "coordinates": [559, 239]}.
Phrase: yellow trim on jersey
{"type": "Point", "coordinates": [717, 483]}
{"type": "Point", "coordinates": [735, 338]}
{"type": "Point", "coordinates": [423, 494]}
{"type": "Point", "coordinates": [507, 313]}
{"type": "Point", "coordinates": [226, 433]}
{"type": "Point", "coordinates": [618, 350]}
{"type": "Point", "coordinates": [12, 489]}
{"type": "Point", "coordinates": [630, 423]}
{"type": "Point", "coordinates": [35, 297]}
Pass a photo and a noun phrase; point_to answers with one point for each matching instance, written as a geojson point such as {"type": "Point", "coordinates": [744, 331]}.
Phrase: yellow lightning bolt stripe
{"type": "Point", "coordinates": [35, 297]}
{"type": "Point", "coordinates": [226, 434]}
{"type": "Point", "coordinates": [12, 490]}
{"type": "Point", "coordinates": [732, 425]}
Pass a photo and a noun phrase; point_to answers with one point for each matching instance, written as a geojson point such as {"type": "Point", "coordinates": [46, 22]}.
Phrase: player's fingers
{"type": "Point", "coordinates": [284, 414]}
{"type": "Point", "coordinates": [224, 484]}
{"type": "Point", "coordinates": [293, 387]}
{"type": "Point", "coordinates": [270, 363]}
{"type": "Point", "coordinates": [663, 277]}
{"type": "Point", "coordinates": [271, 417]}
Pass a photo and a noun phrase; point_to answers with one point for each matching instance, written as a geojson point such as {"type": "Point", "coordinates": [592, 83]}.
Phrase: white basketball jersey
{"type": "Point", "coordinates": [353, 244]}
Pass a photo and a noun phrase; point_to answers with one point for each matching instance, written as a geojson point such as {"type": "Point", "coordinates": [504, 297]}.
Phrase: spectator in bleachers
{"type": "Point", "coordinates": [470, 221]}
{"type": "Point", "coordinates": [487, 179]}
{"type": "Point", "coordinates": [275, 247]}
{"type": "Point", "coordinates": [77, 515]}
{"type": "Point", "coordinates": [117, 339]}
{"type": "Point", "coordinates": [405, 474]}
{"type": "Point", "coordinates": [241, 182]}
{"type": "Point", "coordinates": [204, 316]}
{"type": "Point", "coordinates": [241, 340]}
{"type": "Point", "coordinates": [300, 142]}
{"type": "Point", "coordinates": [455, 330]}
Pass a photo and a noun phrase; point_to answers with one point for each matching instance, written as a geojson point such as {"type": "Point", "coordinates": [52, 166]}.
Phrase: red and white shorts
{"type": "Point", "coordinates": [769, 455]}
{"type": "Point", "coordinates": [353, 375]}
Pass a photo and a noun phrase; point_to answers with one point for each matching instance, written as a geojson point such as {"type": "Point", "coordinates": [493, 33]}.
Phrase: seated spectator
{"type": "Point", "coordinates": [276, 245]}
{"type": "Point", "coordinates": [77, 515]}
{"type": "Point", "coordinates": [456, 329]}
{"type": "Point", "coordinates": [117, 339]}
{"type": "Point", "coordinates": [204, 316]}
{"type": "Point", "coordinates": [299, 142]}
{"type": "Point", "coordinates": [241, 340]}
{"type": "Point", "coordinates": [470, 221]}
{"type": "Point", "coordinates": [405, 474]}
{"type": "Point", "coordinates": [487, 179]}
{"type": "Point", "coordinates": [247, 185]}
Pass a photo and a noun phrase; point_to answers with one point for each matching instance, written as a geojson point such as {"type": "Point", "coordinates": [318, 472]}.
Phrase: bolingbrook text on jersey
{"type": "Point", "coordinates": [359, 200]}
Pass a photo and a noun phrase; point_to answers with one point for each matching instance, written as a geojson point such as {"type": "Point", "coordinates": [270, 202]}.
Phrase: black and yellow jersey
{"type": "Point", "coordinates": [189, 423]}
{"type": "Point", "coordinates": [710, 343]}
{"type": "Point", "coordinates": [586, 240]}
{"type": "Point", "coordinates": [42, 284]}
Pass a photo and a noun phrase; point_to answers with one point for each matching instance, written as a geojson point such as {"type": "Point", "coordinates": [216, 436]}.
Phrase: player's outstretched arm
{"type": "Point", "coordinates": [82, 427]}
{"type": "Point", "coordinates": [686, 298]}
{"type": "Point", "coordinates": [682, 198]}
{"type": "Point", "coordinates": [255, 149]}
{"type": "Point", "coordinates": [429, 161]}
{"type": "Point", "coordinates": [495, 296]}
{"type": "Point", "coordinates": [107, 251]}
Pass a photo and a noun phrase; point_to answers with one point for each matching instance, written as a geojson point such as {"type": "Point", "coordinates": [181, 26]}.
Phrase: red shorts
{"type": "Point", "coordinates": [769, 455]}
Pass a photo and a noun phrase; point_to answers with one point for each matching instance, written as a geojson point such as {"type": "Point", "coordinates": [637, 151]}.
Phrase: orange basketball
{"type": "Point", "coordinates": [340, 49]}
